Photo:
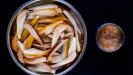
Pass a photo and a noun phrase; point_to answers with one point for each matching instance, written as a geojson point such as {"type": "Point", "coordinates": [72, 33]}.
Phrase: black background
{"type": "Point", "coordinates": [94, 61]}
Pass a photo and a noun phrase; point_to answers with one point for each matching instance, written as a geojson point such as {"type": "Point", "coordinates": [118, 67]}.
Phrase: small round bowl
{"type": "Point", "coordinates": [114, 47]}
{"type": "Point", "coordinates": [77, 17]}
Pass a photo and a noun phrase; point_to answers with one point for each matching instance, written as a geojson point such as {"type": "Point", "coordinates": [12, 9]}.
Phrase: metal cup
{"type": "Point", "coordinates": [77, 17]}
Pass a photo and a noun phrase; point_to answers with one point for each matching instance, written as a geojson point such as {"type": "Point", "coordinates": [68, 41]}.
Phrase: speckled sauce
{"type": "Point", "coordinates": [110, 37]}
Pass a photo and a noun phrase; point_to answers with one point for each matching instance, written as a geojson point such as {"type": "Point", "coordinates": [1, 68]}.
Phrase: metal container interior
{"type": "Point", "coordinates": [77, 17]}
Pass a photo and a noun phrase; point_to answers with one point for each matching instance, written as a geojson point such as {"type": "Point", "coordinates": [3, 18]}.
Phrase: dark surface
{"type": "Point", "coordinates": [95, 13]}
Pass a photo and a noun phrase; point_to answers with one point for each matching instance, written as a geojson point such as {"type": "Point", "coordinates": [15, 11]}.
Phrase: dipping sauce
{"type": "Point", "coordinates": [109, 37]}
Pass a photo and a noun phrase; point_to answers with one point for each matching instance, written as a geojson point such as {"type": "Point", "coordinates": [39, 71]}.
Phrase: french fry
{"type": "Point", "coordinates": [44, 7]}
{"type": "Point", "coordinates": [14, 45]}
{"type": "Point", "coordinates": [65, 50]}
{"type": "Point", "coordinates": [56, 58]}
{"type": "Point", "coordinates": [35, 52]}
{"type": "Point", "coordinates": [60, 28]}
{"type": "Point", "coordinates": [25, 32]}
{"type": "Point", "coordinates": [52, 20]}
{"type": "Point", "coordinates": [20, 22]}
{"type": "Point", "coordinates": [65, 61]}
{"type": "Point", "coordinates": [76, 28]}
{"type": "Point", "coordinates": [48, 29]}
{"type": "Point", "coordinates": [72, 46]}
{"type": "Point", "coordinates": [71, 19]}
{"type": "Point", "coordinates": [41, 67]}
{"type": "Point", "coordinates": [28, 42]}
{"type": "Point", "coordinates": [48, 12]}
{"type": "Point", "coordinates": [54, 49]}
{"type": "Point", "coordinates": [45, 47]}
{"type": "Point", "coordinates": [33, 32]}
{"type": "Point", "coordinates": [35, 60]}
{"type": "Point", "coordinates": [20, 56]}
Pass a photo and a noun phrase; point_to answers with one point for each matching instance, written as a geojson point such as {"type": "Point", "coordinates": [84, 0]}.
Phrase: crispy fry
{"type": "Point", "coordinates": [47, 30]}
{"type": "Point", "coordinates": [28, 42]}
{"type": "Point", "coordinates": [48, 12]}
{"type": "Point", "coordinates": [72, 46]}
{"type": "Point", "coordinates": [71, 19]}
{"type": "Point", "coordinates": [56, 58]}
{"type": "Point", "coordinates": [25, 32]}
{"type": "Point", "coordinates": [52, 20]}
{"type": "Point", "coordinates": [35, 52]}
{"type": "Point", "coordinates": [15, 46]}
{"type": "Point", "coordinates": [60, 28]}
{"type": "Point", "coordinates": [54, 49]}
{"type": "Point", "coordinates": [44, 7]}
{"type": "Point", "coordinates": [65, 50]}
{"type": "Point", "coordinates": [20, 56]}
{"type": "Point", "coordinates": [41, 67]}
{"type": "Point", "coordinates": [65, 61]}
{"type": "Point", "coordinates": [35, 60]}
{"type": "Point", "coordinates": [20, 22]}
{"type": "Point", "coordinates": [33, 32]}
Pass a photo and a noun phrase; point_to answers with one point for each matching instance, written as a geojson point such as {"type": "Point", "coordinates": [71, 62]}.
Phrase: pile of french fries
{"type": "Point", "coordinates": [46, 38]}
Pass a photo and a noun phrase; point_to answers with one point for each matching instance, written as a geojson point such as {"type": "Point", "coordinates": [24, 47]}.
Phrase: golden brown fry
{"type": "Point", "coordinates": [70, 58]}
{"type": "Point", "coordinates": [41, 67]}
{"type": "Point", "coordinates": [67, 35]}
{"type": "Point", "coordinates": [50, 35]}
{"type": "Point", "coordinates": [35, 52]}
{"type": "Point", "coordinates": [72, 20]}
{"type": "Point", "coordinates": [40, 13]}
{"type": "Point", "coordinates": [20, 22]}
{"type": "Point", "coordinates": [25, 32]}
{"type": "Point", "coordinates": [28, 42]}
{"type": "Point", "coordinates": [24, 35]}
{"type": "Point", "coordinates": [48, 29]}
{"type": "Point", "coordinates": [33, 56]}
{"type": "Point", "coordinates": [57, 31]}
{"type": "Point", "coordinates": [56, 58]}
{"type": "Point", "coordinates": [65, 50]}
{"type": "Point", "coordinates": [34, 33]}
{"type": "Point", "coordinates": [45, 47]}
{"type": "Point", "coordinates": [14, 44]}
{"type": "Point", "coordinates": [44, 7]}
{"type": "Point", "coordinates": [34, 21]}
{"type": "Point", "coordinates": [55, 48]}
{"type": "Point", "coordinates": [42, 25]}
{"type": "Point", "coordinates": [52, 20]}
{"type": "Point", "coordinates": [20, 56]}
{"type": "Point", "coordinates": [35, 60]}
{"type": "Point", "coordinates": [39, 28]}
{"type": "Point", "coordinates": [47, 40]}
